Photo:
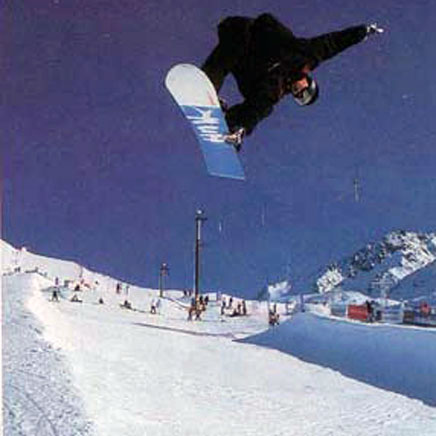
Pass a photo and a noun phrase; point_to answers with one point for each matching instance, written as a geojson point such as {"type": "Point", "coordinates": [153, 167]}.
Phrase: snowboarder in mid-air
{"type": "Point", "coordinates": [268, 62]}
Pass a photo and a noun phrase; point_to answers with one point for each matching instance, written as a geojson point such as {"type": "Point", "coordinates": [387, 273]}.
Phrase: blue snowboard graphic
{"type": "Point", "coordinates": [196, 96]}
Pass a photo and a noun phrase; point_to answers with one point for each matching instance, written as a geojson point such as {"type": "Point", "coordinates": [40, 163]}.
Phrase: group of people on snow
{"type": "Point", "coordinates": [229, 305]}
{"type": "Point", "coordinates": [119, 288]}
{"type": "Point", "coordinates": [198, 305]}
{"type": "Point", "coordinates": [228, 308]}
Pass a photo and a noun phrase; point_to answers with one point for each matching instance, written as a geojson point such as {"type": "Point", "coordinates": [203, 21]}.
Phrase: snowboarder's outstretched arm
{"type": "Point", "coordinates": [326, 46]}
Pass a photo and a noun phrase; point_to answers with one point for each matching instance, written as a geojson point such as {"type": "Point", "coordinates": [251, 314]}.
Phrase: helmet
{"type": "Point", "coordinates": [309, 95]}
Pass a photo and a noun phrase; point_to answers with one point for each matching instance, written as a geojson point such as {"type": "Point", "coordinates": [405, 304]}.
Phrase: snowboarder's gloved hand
{"type": "Point", "coordinates": [371, 29]}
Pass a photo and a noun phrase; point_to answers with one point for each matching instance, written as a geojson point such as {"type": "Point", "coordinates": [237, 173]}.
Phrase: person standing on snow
{"type": "Point", "coordinates": [244, 308]}
{"type": "Point", "coordinates": [268, 62]}
{"type": "Point", "coordinates": [223, 306]}
{"type": "Point", "coordinates": [153, 307]}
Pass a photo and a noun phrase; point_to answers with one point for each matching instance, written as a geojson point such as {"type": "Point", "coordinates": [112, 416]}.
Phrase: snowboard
{"type": "Point", "coordinates": [196, 96]}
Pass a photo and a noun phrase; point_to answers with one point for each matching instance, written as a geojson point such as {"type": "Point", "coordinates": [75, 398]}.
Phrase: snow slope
{"type": "Point", "coordinates": [39, 396]}
{"type": "Point", "coordinates": [23, 260]}
{"type": "Point", "coordinates": [143, 374]}
{"type": "Point", "coordinates": [394, 357]}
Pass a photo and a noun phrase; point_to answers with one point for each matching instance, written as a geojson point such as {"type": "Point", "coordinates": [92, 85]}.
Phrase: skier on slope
{"type": "Point", "coordinates": [268, 62]}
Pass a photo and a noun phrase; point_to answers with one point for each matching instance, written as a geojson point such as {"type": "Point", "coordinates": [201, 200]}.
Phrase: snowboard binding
{"type": "Point", "coordinates": [235, 138]}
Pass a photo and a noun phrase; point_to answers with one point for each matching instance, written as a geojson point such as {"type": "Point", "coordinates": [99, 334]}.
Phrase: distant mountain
{"type": "Point", "coordinates": [402, 266]}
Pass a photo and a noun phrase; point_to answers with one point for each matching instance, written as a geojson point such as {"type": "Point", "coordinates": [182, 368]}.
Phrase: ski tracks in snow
{"type": "Point", "coordinates": [39, 399]}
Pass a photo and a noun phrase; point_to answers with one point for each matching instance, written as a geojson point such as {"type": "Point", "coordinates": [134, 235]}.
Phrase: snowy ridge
{"type": "Point", "coordinates": [416, 253]}
{"type": "Point", "coordinates": [22, 260]}
{"type": "Point", "coordinates": [329, 280]}
{"type": "Point", "coordinates": [380, 269]}
{"type": "Point", "coordinates": [381, 266]}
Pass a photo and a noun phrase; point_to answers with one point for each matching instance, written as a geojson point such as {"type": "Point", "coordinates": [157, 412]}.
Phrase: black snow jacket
{"type": "Point", "coordinates": [253, 48]}
{"type": "Point", "coordinates": [265, 57]}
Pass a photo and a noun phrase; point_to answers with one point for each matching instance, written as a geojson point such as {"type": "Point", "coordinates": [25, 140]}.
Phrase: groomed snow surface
{"type": "Point", "coordinates": [89, 368]}
{"type": "Point", "coordinates": [39, 396]}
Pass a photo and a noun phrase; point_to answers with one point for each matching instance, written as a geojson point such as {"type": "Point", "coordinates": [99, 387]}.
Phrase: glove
{"type": "Point", "coordinates": [373, 28]}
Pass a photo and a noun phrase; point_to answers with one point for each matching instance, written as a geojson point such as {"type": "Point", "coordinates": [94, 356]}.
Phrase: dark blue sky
{"type": "Point", "coordinates": [100, 167]}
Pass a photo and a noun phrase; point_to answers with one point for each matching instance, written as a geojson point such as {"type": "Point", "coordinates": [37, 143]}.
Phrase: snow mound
{"type": "Point", "coordinates": [396, 358]}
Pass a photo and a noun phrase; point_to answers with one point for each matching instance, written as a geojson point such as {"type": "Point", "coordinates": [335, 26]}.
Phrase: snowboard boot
{"type": "Point", "coordinates": [235, 138]}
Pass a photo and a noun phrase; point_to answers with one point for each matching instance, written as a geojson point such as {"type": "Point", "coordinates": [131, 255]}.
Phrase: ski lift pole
{"type": "Point", "coordinates": [162, 273]}
{"type": "Point", "coordinates": [199, 218]}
